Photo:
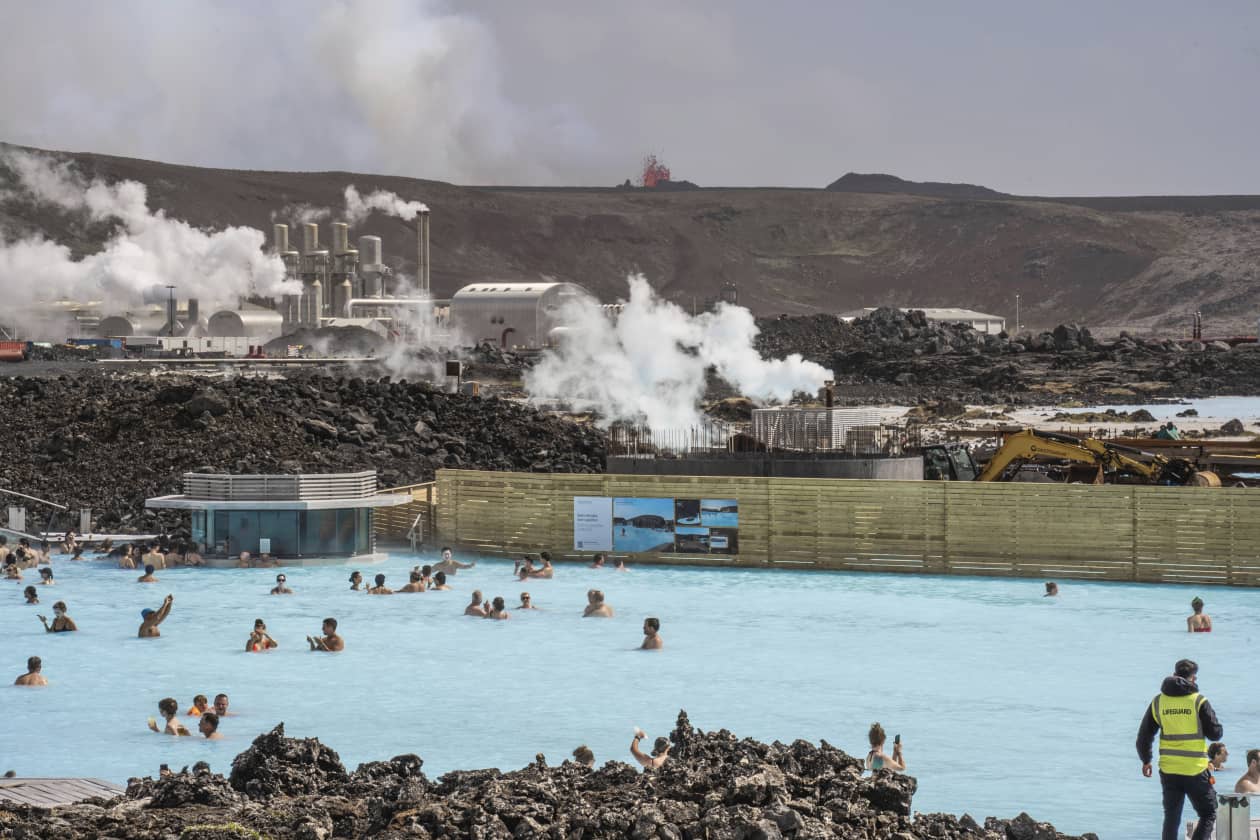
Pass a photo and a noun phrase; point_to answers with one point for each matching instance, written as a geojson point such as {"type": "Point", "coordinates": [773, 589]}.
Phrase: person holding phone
{"type": "Point", "coordinates": [877, 759]}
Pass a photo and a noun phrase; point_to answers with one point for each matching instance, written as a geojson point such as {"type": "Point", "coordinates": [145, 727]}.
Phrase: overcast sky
{"type": "Point", "coordinates": [1052, 98]}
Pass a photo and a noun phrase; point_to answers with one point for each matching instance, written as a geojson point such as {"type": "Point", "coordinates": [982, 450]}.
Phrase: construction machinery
{"type": "Point", "coordinates": [1103, 461]}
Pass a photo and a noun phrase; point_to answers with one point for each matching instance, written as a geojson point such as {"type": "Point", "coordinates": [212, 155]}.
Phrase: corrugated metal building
{"type": "Point", "coordinates": [979, 321]}
{"type": "Point", "coordinates": [511, 315]}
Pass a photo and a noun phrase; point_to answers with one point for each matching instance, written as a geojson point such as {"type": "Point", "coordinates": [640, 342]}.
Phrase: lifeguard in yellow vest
{"type": "Point", "coordinates": [1185, 723]}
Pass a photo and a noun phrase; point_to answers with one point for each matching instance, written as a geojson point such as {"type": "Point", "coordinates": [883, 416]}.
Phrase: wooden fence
{"type": "Point", "coordinates": [412, 523]}
{"type": "Point", "coordinates": [1123, 533]}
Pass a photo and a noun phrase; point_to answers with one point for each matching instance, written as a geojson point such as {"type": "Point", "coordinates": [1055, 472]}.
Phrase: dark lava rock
{"type": "Point", "coordinates": [278, 766]}
{"type": "Point", "coordinates": [1233, 427]}
{"type": "Point", "coordinates": [714, 785]}
{"type": "Point", "coordinates": [141, 435]}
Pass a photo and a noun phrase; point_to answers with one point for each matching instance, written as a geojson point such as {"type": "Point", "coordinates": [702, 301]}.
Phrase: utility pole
{"type": "Point", "coordinates": [170, 310]}
{"type": "Point", "coordinates": [1017, 313]}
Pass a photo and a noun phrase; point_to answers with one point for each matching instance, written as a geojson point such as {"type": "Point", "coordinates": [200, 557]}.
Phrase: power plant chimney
{"type": "Point", "coordinates": [422, 252]}
{"type": "Point", "coordinates": [310, 237]}
{"type": "Point", "coordinates": [194, 307]}
{"type": "Point", "coordinates": [280, 238]}
{"type": "Point", "coordinates": [341, 237]}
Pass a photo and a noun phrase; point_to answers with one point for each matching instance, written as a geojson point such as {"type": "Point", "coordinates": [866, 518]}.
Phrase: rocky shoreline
{"type": "Point", "coordinates": [714, 786]}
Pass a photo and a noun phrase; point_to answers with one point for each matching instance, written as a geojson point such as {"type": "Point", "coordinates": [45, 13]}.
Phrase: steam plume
{"type": "Point", "coordinates": [359, 207]}
{"type": "Point", "coordinates": [146, 251]}
{"type": "Point", "coordinates": [648, 365]}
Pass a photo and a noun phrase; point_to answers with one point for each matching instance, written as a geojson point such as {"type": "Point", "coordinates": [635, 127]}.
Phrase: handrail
{"type": "Point", "coordinates": [411, 533]}
{"type": "Point", "coordinates": [34, 499]}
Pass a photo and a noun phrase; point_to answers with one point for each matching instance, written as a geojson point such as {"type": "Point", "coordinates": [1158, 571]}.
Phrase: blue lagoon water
{"type": "Point", "coordinates": [1006, 701]}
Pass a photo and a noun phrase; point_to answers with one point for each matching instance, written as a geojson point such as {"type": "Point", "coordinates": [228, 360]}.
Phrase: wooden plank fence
{"type": "Point", "coordinates": [1121, 533]}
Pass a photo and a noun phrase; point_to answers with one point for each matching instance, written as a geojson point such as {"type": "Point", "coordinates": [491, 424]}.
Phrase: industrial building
{"type": "Point", "coordinates": [978, 321]}
{"type": "Point", "coordinates": [512, 315]}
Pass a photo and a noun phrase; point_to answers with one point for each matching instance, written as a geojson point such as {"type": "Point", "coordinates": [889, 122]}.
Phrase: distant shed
{"type": "Point", "coordinates": [512, 315]}
{"type": "Point", "coordinates": [978, 321]}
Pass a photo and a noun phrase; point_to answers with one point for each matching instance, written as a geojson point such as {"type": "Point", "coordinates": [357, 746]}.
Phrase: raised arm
{"type": "Point", "coordinates": [164, 610]}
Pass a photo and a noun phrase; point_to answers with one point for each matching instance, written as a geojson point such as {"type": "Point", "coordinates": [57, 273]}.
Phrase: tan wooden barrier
{"type": "Point", "coordinates": [409, 523]}
{"type": "Point", "coordinates": [1122, 533]}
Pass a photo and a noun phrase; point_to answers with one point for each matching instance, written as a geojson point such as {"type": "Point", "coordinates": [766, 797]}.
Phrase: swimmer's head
{"type": "Point", "coordinates": [599, 559]}
{"type": "Point", "coordinates": [1197, 605]}
{"type": "Point", "coordinates": [281, 578]}
{"type": "Point", "coordinates": [380, 580]}
{"type": "Point", "coordinates": [148, 568]}
{"type": "Point", "coordinates": [524, 597]}
{"type": "Point", "coordinates": [660, 746]}
{"type": "Point", "coordinates": [619, 563]}
{"type": "Point", "coordinates": [415, 576]}
{"type": "Point", "coordinates": [30, 592]}
{"type": "Point", "coordinates": [200, 701]}
{"type": "Point", "coordinates": [34, 664]}
{"type": "Point", "coordinates": [877, 736]}
{"type": "Point", "coordinates": [651, 626]}
{"type": "Point", "coordinates": [46, 573]}
{"type": "Point", "coordinates": [440, 578]}
{"type": "Point", "coordinates": [426, 570]}
{"type": "Point", "coordinates": [259, 624]}
{"type": "Point", "coordinates": [146, 612]}
{"type": "Point", "coordinates": [584, 756]}
{"type": "Point", "coordinates": [59, 607]}
{"type": "Point", "coordinates": [330, 625]}
{"type": "Point", "coordinates": [1186, 668]}
{"type": "Point", "coordinates": [168, 707]}
{"type": "Point", "coordinates": [1253, 757]}
{"type": "Point", "coordinates": [1052, 588]}
{"type": "Point", "coordinates": [597, 597]}
{"type": "Point", "coordinates": [356, 576]}
{"type": "Point", "coordinates": [446, 552]}
{"type": "Point", "coordinates": [545, 555]}
{"type": "Point", "coordinates": [498, 604]}
{"type": "Point", "coordinates": [476, 596]}
{"type": "Point", "coordinates": [209, 723]}
{"type": "Point", "coordinates": [221, 704]}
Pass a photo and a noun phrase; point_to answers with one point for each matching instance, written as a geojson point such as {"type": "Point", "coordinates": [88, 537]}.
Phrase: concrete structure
{"type": "Point", "coordinates": [782, 465]}
{"type": "Point", "coordinates": [978, 321]}
{"type": "Point", "coordinates": [512, 315]}
{"type": "Point", "coordinates": [288, 516]}
{"type": "Point", "coordinates": [792, 428]}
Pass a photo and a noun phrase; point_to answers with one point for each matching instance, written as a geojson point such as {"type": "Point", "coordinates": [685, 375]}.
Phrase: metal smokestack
{"type": "Point", "coordinates": [422, 252]}
{"type": "Point", "coordinates": [310, 237]}
{"type": "Point", "coordinates": [341, 237]}
{"type": "Point", "coordinates": [194, 310]}
{"type": "Point", "coordinates": [280, 237]}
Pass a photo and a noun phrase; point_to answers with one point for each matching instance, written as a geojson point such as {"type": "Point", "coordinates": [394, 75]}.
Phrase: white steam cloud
{"type": "Point", "coordinates": [359, 207]}
{"type": "Point", "coordinates": [648, 365]}
{"type": "Point", "coordinates": [146, 252]}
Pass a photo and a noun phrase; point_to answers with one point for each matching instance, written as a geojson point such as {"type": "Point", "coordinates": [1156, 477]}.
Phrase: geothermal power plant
{"type": "Point", "coordinates": [341, 286]}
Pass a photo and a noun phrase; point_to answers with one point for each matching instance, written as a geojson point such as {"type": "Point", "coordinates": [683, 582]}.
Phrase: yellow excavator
{"type": "Point", "coordinates": [1109, 462]}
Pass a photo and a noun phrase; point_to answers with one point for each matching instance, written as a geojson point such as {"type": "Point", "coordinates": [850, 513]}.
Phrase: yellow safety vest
{"type": "Point", "coordinates": [1182, 747]}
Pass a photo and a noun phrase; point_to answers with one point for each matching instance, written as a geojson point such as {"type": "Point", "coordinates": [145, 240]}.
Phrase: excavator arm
{"type": "Point", "coordinates": [1030, 445]}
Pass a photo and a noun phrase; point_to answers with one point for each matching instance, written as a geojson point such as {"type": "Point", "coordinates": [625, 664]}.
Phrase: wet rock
{"type": "Point", "coordinates": [278, 766]}
{"type": "Point", "coordinates": [1233, 427]}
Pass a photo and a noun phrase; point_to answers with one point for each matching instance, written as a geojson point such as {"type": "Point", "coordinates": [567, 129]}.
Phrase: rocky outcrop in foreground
{"type": "Point", "coordinates": [108, 442]}
{"type": "Point", "coordinates": [898, 356]}
{"type": "Point", "coordinates": [714, 786]}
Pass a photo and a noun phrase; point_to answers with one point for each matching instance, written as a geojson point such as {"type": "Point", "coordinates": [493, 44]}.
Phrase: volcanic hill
{"type": "Point", "coordinates": [1112, 263]}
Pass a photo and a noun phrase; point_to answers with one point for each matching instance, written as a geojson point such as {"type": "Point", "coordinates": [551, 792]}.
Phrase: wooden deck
{"type": "Point", "coordinates": [47, 793]}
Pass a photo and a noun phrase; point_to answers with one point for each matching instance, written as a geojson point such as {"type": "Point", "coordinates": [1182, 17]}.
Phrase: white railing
{"type": "Point", "coordinates": [301, 487]}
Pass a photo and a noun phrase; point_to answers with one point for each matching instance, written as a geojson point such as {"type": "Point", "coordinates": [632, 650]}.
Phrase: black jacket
{"type": "Point", "coordinates": [1176, 687]}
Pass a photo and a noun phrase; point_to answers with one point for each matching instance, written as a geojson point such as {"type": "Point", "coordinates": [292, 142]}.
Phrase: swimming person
{"type": "Point", "coordinates": [449, 564]}
{"type": "Point", "coordinates": [619, 565]}
{"type": "Point", "coordinates": [150, 619]}
{"type": "Point", "coordinates": [524, 569]}
{"type": "Point", "coordinates": [46, 576]}
{"type": "Point", "coordinates": [125, 560]}
{"type": "Point", "coordinates": [280, 588]}
{"type": "Point", "coordinates": [380, 588]}
{"type": "Point", "coordinates": [34, 673]}
{"type": "Point", "coordinates": [584, 756]}
{"type": "Point", "coordinates": [439, 582]}
{"type": "Point", "coordinates": [259, 639]}
{"type": "Point", "coordinates": [356, 580]}
{"type": "Point", "coordinates": [61, 622]}
{"type": "Point", "coordinates": [876, 758]}
{"type": "Point", "coordinates": [168, 708]}
{"type": "Point", "coordinates": [546, 572]}
{"type": "Point", "coordinates": [526, 602]}
{"type": "Point", "coordinates": [153, 557]}
{"type": "Point", "coordinates": [475, 607]}
{"type": "Point", "coordinates": [597, 563]}
{"type": "Point", "coordinates": [330, 641]}
{"type": "Point", "coordinates": [209, 726]}
{"type": "Point", "coordinates": [498, 610]}
{"type": "Point", "coordinates": [221, 705]}
{"type": "Point", "coordinates": [595, 606]}
{"type": "Point", "coordinates": [1218, 754]}
{"type": "Point", "coordinates": [651, 634]}
{"type": "Point", "coordinates": [1052, 589]}
{"type": "Point", "coordinates": [1200, 622]}
{"type": "Point", "coordinates": [31, 594]}
{"type": "Point", "coordinates": [414, 584]}
{"type": "Point", "coordinates": [147, 577]}
{"type": "Point", "coordinates": [1250, 781]}
{"type": "Point", "coordinates": [1185, 722]}
{"type": "Point", "coordinates": [199, 707]}
{"type": "Point", "coordinates": [660, 750]}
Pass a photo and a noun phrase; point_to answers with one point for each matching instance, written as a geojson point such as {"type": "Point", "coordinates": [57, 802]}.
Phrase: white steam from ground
{"type": "Point", "coordinates": [359, 207]}
{"type": "Point", "coordinates": [146, 251]}
{"type": "Point", "coordinates": [648, 364]}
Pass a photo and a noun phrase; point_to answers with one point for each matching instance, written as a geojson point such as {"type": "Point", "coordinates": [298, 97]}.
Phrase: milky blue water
{"type": "Point", "coordinates": [1006, 701]}
{"type": "Point", "coordinates": [1219, 408]}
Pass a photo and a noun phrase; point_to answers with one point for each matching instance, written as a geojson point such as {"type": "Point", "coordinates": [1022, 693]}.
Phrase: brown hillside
{"type": "Point", "coordinates": [795, 251]}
